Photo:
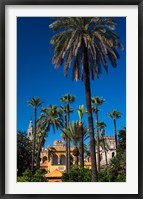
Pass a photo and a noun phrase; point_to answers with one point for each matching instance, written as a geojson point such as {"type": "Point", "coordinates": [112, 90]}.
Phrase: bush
{"type": "Point", "coordinates": [28, 177]}
{"type": "Point", "coordinates": [77, 174]}
{"type": "Point", "coordinates": [103, 175]}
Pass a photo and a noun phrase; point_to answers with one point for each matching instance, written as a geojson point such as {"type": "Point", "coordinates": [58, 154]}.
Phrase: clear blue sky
{"type": "Point", "coordinates": [36, 76]}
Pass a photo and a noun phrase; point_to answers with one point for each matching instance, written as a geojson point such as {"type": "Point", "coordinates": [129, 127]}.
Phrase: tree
{"type": "Point", "coordinates": [64, 111]}
{"type": "Point", "coordinates": [118, 163]}
{"type": "Point", "coordinates": [73, 133]}
{"type": "Point", "coordinates": [85, 42]}
{"type": "Point", "coordinates": [67, 99]}
{"type": "Point", "coordinates": [28, 177]}
{"type": "Point", "coordinates": [51, 117]}
{"type": "Point", "coordinates": [96, 102]}
{"type": "Point", "coordinates": [24, 151]}
{"type": "Point", "coordinates": [34, 102]}
{"type": "Point", "coordinates": [116, 170]}
{"type": "Point", "coordinates": [81, 112]}
{"type": "Point", "coordinates": [114, 114]}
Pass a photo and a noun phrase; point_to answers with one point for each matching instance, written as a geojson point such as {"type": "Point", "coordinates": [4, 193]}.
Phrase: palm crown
{"type": "Point", "coordinates": [67, 98]}
{"type": "Point", "coordinates": [96, 101]}
{"type": "Point", "coordinates": [81, 111]}
{"type": "Point", "coordinates": [94, 33]}
{"type": "Point", "coordinates": [114, 114]}
{"type": "Point", "coordinates": [73, 132]}
{"type": "Point", "coordinates": [51, 116]}
{"type": "Point", "coordinates": [35, 102]}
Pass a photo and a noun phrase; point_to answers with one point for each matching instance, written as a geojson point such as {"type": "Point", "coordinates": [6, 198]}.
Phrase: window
{"type": "Point", "coordinates": [55, 159]}
{"type": "Point", "coordinates": [62, 159]}
{"type": "Point", "coordinates": [113, 154]}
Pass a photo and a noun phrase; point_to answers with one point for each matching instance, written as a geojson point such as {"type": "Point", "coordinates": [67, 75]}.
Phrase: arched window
{"type": "Point", "coordinates": [62, 159]}
{"type": "Point", "coordinates": [55, 159]}
{"type": "Point", "coordinates": [113, 154]}
{"type": "Point", "coordinates": [44, 159]}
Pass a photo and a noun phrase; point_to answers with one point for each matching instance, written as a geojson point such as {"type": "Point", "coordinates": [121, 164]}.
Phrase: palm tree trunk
{"type": "Point", "coordinates": [81, 148]}
{"type": "Point", "coordinates": [66, 153]}
{"type": "Point", "coordinates": [68, 140]}
{"type": "Point", "coordinates": [38, 158]}
{"type": "Point", "coordinates": [97, 139]}
{"type": "Point", "coordinates": [115, 134]}
{"type": "Point", "coordinates": [89, 111]}
{"type": "Point", "coordinates": [33, 152]}
{"type": "Point", "coordinates": [69, 158]}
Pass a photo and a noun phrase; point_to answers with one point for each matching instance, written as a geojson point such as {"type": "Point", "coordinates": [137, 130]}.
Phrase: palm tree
{"type": "Point", "coordinates": [64, 111]}
{"type": "Point", "coordinates": [81, 112]}
{"type": "Point", "coordinates": [51, 117]}
{"type": "Point", "coordinates": [96, 102]}
{"type": "Point", "coordinates": [85, 42]}
{"type": "Point", "coordinates": [35, 102]}
{"type": "Point", "coordinates": [67, 99]}
{"type": "Point", "coordinates": [101, 125]}
{"type": "Point", "coordinates": [114, 114]}
{"type": "Point", "coordinates": [73, 133]}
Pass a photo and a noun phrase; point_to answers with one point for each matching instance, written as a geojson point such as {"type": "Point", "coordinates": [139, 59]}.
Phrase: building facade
{"type": "Point", "coordinates": [53, 158]}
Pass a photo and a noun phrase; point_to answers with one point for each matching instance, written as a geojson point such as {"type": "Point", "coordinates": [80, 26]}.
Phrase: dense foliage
{"type": "Point", "coordinates": [77, 174]}
{"type": "Point", "coordinates": [116, 171]}
{"type": "Point", "coordinates": [28, 177]}
{"type": "Point", "coordinates": [24, 151]}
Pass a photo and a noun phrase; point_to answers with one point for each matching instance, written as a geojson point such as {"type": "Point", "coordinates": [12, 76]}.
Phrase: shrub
{"type": "Point", "coordinates": [28, 177]}
{"type": "Point", "coordinates": [77, 174]}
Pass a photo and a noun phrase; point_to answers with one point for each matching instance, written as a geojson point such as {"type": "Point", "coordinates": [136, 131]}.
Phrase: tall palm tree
{"type": "Point", "coordinates": [64, 111]}
{"type": "Point", "coordinates": [101, 125]}
{"type": "Point", "coordinates": [81, 112]}
{"type": "Point", "coordinates": [34, 102]}
{"type": "Point", "coordinates": [67, 99]}
{"type": "Point", "coordinates": [85, 42]}
{"type": "Point", "coordinates": [51, 117]}
{"type": "Point", "coordinates": [96, 102]}
{"type": "Point", "coordinates": [114, 114]}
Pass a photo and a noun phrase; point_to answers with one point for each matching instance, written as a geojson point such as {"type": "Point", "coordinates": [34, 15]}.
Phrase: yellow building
{"type": "Point", "coordinates": [53, 158]}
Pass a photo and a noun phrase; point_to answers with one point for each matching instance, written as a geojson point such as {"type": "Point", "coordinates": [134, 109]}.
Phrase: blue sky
{"type": "Point", "coordinates": [36, 76]}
